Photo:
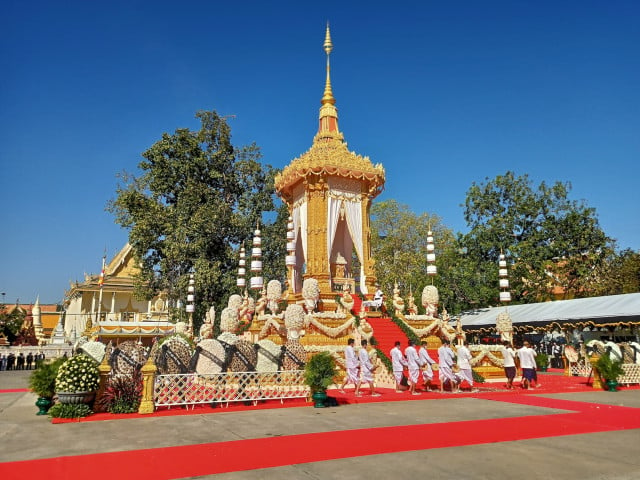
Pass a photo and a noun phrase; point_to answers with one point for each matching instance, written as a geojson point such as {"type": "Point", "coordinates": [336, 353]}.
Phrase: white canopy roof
{"type": "Point", "coordinates": [613, 308]}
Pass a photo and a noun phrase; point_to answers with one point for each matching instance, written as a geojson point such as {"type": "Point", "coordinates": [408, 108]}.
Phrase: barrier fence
{"type": "Point", "coordinates": [193, 389]}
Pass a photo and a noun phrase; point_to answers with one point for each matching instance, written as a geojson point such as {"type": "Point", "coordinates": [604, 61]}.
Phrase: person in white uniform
{"type": "Point", "coordinates": [509, 358]}
{"type": "Point", "coordinates": [352, 366]}
{"type": "Point", "coordinates": [366, 369]}
{"type": "Point", "coordinates": [445, 366]}
{"type": "Point", "coordinates": [398, 363]}
{"type": "Point", "coordinates": [527, 356]}
{"type": "Point", "coordinates": [426, 361]}
{"type": "Point", "coordinates": [413, 365]}
{"type": "Point", "coordinates": [464, 364]}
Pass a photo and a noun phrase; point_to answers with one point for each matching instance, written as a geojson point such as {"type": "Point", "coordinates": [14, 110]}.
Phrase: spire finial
{"type": "Point", "coordinates": [328, 47]}
{"type": "Point", "coordinates": [328, 111]}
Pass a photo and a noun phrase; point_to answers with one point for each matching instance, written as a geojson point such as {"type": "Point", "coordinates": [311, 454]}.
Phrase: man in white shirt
{"type": "Point", "coordinates": [413, 365]}
{"type": "Point", "coordinates": [445, 366]}
{"type": "Point", "coordinates": [527, 356]}
{"type": "Point", "coordinates": [509, 358]}
{"type": "Point", "coordinates": [366, 369]}
{"type": "Point", "coordinates": [351, 365]}
{"type": "Point", "coordinates": [398, 362]}
{"type": "Point", "coordinates": [426, 361]}
{"type": "Point", "coordinates": [464, 364]}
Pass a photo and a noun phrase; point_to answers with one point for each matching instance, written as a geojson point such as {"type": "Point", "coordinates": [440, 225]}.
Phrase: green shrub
{"type": "Point", "coordinates": [319, 372]}
{"type": "Point", "coordinates": [123, 394]}
{"type": "Point", "coordinates": [42, 380]}
{"type": "Point", "coordinates": [70, 410]}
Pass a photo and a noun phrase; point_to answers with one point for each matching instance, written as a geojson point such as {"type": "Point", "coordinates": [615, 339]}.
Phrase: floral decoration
{"type": "Point", "coordinates": [78, 374]}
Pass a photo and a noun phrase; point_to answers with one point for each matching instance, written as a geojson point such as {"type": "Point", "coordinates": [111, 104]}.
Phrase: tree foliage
{"type": "Point", "coordinates": [399, 246]}
{"type": "Point", "coordinates": [549, 239]}
{"type": "Point", "coordinates": [197, 199]}
{"type": "Point", "coordinates": [11, 322]}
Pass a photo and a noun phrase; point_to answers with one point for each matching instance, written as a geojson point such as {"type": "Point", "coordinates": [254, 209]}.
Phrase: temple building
{"type": "Point", "coordinates": [103, 305]}
{"type": "Point", "coordinates": [329, 190]}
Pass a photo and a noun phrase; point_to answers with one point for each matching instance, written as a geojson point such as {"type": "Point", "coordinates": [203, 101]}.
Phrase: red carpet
{"type": "Point", "coordinates": [211, 458]}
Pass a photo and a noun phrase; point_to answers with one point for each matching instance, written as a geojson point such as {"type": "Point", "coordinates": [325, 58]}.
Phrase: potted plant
{"type": "Point", "coordinates": [542, 361]}
{"type": "Point", "coordinates": [42, 382]}
{"type": "Point", "coordinates": [318, 375]}
{"type": "Point", "coordinates": [609, 371]}
{"type": "Point", "coordinates": [78, 379]}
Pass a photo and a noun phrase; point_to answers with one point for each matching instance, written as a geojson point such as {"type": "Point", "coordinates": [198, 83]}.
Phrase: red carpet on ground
{"type": "Point", "coordinates": [211, 458]}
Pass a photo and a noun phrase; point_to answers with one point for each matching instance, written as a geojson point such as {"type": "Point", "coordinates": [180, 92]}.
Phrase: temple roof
{"type": "Point", "coordinates": [329, 155]}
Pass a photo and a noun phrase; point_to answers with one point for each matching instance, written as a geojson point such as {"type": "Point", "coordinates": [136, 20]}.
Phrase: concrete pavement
{"type": "Point", "coordinates": [604, 455]}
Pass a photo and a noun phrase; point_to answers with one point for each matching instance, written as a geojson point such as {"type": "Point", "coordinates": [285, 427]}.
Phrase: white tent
{"type": "Point", "coordinates": [613, 309]}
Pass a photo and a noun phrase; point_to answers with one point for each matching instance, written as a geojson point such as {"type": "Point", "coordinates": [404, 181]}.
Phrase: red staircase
{"type": "Point", "coordinates": [387, 334]}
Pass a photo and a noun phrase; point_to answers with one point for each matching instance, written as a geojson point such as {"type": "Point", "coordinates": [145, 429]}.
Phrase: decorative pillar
{"type": "Point", "coordinates": [105, 371]}
{"type": "Point", "coordinates": [148, 371]}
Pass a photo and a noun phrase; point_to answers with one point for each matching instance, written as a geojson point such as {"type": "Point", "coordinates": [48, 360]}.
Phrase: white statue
{"type": "Point", "coordinates": [430, 299]}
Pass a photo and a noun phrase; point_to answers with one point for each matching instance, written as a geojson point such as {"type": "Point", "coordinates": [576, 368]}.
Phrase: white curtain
{"type": "Point", "coordinates": [333, 213]}
{"type": "Point", "coordinates": [354, 222]}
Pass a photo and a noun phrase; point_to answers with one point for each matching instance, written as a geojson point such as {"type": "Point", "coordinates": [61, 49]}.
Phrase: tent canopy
{"type": "Point", "coordinates": [610, 309]}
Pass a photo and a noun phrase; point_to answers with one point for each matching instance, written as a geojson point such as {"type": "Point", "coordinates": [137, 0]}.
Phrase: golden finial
{"type": "Point", "coordinates": [328, 46]}
{"type": "Point", "coordinates": [328, 94]}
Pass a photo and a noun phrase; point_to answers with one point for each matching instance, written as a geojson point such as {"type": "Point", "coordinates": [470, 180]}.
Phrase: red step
{"type": "Point", "coordinates": [387, 333]}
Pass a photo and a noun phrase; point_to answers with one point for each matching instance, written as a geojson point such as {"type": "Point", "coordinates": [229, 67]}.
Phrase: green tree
{"type": "Point", "coordinates": [549, 239]}
{"type": "Point", "coordinates": [11, 322]}
{"type": "Point", "coordinates": [619, 274]}
{"type": "Point", "coordinates": [196, 201]}
{"type": "Point", "coordinates": [399, 247]}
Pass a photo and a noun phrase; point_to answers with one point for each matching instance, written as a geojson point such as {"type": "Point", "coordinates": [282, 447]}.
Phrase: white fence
{"type": "Point", "coordinates": [194, 389]}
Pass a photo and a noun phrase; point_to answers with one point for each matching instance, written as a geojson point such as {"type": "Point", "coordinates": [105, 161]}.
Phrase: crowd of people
{"type": "Point", "coordinates": [21, 361]}
{"type": "Point", "coordinates": [414, 363]}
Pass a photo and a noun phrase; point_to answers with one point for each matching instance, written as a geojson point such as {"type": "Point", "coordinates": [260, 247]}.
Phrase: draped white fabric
{"type": "Point", "coordinates": [354, 222]}
{"type": "Point", "coordinates": [333, 214]}
{"type": "Point", "coordinates": [303, 228]}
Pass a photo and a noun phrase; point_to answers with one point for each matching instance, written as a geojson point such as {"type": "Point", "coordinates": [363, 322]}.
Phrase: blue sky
{"type": "Point", "coordinates": [441, 93]}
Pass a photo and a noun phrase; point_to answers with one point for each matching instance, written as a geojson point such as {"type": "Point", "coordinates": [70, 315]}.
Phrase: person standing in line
{"type": "Point", "coordinates": [464, 364]}
{"type": "Point", "coordinates": [366, 369]}
{"type": "Point", "coordinates": [509, 357]}
{"type": "Point", "coordinates": [398, 362]}
{"type": "Point", "coordinates": [426, 361]}
{"type": "Point", "coordinates": [20, 361]}
{"type": "Point", "coordinates": [351, 365]}
{"type": "Point", "coordinates": [445, 366]}
{"type": "Point", "coordinates": [29, 360]}
{"type": "Point", "coordinates": [413, 365]}
{"type": "Point", "coordinates": [3, 362]}
{"type": "Point", "coordinates": [527, 358]}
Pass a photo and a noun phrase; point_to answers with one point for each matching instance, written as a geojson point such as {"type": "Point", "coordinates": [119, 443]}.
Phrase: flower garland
{"type": "Point", "coordinates": [485, 352]}
{"type": "Point", "coordinates": [78, 374]}
{"type": "Point", "coordinates": [332, 332]}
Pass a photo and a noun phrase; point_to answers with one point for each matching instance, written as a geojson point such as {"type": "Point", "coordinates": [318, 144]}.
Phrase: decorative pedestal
{"type": "Point", "coordinates": [75, 397]}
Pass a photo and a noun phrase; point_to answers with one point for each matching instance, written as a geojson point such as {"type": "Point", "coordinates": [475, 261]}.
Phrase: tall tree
{"type": "Point", "coordinates": [196, 201]}
{"type": "Point", "coordinates": [399, 247]}
{"type": "Point", "coordinates": [551, 240]}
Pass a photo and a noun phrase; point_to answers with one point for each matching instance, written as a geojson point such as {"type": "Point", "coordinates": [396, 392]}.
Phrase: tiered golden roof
{"type": "Point", "coordinates": [329, 155]}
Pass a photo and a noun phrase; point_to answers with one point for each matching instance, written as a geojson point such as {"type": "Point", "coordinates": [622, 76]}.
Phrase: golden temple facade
{"type": "Point", "coordinates": [329, 190]}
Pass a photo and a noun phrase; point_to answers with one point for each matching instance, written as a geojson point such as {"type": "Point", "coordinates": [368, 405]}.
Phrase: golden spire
{"type": "Point", "coordinates": [328, 94]}
{"type": "Point", "coordinates": [328, 111]}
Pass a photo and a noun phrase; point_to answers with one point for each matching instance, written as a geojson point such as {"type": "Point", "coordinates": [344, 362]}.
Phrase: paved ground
{"type": "Point", "coordinates": [605, 455]}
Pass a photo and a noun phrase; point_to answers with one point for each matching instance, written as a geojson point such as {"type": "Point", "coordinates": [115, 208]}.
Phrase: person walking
{"type": "Point", "coordinates": [527, 357]}
{"type": "Point", "coordinates": [398, 362]}
{"type": "Point", "coordinates": [351, 365]}
{"type": "Point", "coordinates": [366, 370]}
{"type": "Point", "coordinates": [464, 364]}
{"type": "Point", "coordinates": [445, 366]}
{"type": "Point", "coordinates": [509, 358]}
{"type": "Point", "coordinates": [413, 366]}
{"type": "Point", "coordinates": [426, 361]}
